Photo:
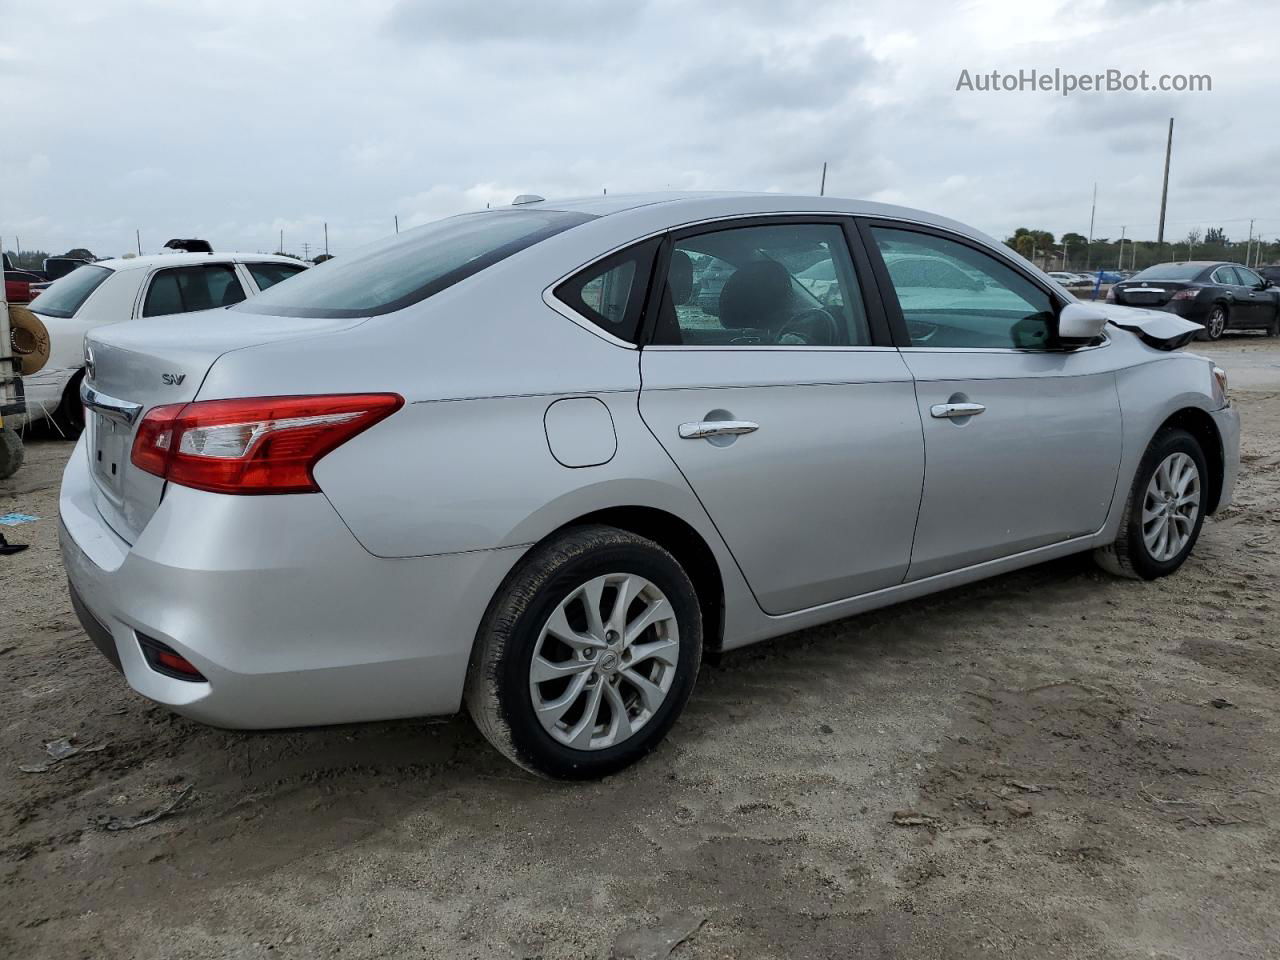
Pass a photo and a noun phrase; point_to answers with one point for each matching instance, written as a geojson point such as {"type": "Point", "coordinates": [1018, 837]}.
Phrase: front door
{"type": "Point", "coordinates": [794, 423]}
{"type": "Point", "coordinates": [1022, 440]}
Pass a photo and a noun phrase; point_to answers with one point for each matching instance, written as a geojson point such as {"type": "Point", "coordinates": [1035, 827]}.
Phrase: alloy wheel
{"type": "Point", "coordinates": [1171, 506]}
{"type": "Point", "coordinates": [605, 661]}
{"type": "Point", "coordinates": [1217, 323]}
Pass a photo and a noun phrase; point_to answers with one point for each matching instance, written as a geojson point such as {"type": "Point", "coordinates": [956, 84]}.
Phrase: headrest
{"type": "Point", "coordinates": [680, 277]}
{"type": "Point", "coordinates": [756, 295]}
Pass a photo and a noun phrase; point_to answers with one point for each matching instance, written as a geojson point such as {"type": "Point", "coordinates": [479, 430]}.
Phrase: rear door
{"type": "Point", "coordinates": [790, 414]}
{"type": "Point", "coordinates": [1022, 440]}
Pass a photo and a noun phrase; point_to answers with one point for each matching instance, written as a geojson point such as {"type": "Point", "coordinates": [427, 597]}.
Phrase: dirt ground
{"type": "Point", "coordinates": [1091, 766]}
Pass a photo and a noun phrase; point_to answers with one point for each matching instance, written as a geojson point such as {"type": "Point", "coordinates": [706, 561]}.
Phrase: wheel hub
{"type": "Point", "coordinates": [605, 661]}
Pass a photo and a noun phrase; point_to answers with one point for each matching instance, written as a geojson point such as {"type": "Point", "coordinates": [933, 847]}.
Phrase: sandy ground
{"type": "Point", "coordinates": [1076, 791]}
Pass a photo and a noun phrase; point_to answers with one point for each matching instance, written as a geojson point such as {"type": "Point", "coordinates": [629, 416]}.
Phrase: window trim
{"type": "Point", "coordinates": [893, 309]}
{"type": "Point", "coordinates": [877, 323]}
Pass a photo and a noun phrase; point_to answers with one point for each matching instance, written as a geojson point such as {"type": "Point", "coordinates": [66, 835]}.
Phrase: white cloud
{"type": "Point", "coordinates": [232, 119]}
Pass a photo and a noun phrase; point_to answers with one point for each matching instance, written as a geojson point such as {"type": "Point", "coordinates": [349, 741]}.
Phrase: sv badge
{"type": "Point", "coordinates": [172, 379]}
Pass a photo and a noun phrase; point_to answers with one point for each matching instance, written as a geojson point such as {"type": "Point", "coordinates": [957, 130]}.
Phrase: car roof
{"type": "Point", "coordinates": [644, 212]}
{"type": "Point", "coordinates": [182, 259]}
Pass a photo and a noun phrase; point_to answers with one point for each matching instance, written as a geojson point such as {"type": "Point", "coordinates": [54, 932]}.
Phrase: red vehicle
{"type": "Point", "coordinates": [17, 285]}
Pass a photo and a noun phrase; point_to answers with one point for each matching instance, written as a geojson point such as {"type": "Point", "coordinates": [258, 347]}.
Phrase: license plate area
{"type": "Point", "coordinates": [109, 453]}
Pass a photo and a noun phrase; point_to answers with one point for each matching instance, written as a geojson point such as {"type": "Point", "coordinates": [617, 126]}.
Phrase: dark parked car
{"type": "Point", "coordinates": [1271, 273]}
{"type": "Point", "coordinates": [1218, 296]}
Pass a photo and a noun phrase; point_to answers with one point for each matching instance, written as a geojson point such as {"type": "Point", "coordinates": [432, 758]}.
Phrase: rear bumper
{"type": "Point", "coordinates": [291, 621]}
{"type": "Point", "coordinates": [1228, 423]}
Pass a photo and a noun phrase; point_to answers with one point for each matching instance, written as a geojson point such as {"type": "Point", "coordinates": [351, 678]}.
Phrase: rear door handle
{"type": "Point", "coordinates": [701, 429]}
{"type": "Point", "coordinates": [951, 411]}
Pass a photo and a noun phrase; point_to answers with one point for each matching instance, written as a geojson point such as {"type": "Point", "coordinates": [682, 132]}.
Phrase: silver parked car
{"type": "Point", "coordinates": [513, 460]}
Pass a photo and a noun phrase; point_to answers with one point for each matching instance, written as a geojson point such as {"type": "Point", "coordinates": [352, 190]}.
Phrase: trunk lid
{"type": "Point", "coordinates": [1154, 293]}
{"type": "Point", "coordinates": [132, 367]}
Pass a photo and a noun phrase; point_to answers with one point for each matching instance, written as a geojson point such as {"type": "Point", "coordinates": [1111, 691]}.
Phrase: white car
{"type": "Point", "coordinates": [113, 290]}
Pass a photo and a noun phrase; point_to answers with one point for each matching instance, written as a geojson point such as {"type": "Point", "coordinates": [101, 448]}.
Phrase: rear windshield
{"type": "Point", "coordinates": [1170, 271]}
{"type": "Point", "coordinates": [65, 296]}
{"type": "Point", "coordinates": [409, 267]}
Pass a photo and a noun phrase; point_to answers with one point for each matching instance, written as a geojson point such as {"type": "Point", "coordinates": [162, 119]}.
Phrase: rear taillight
{"type": "Point", "coordinates": [1188, 294]}
{"type": "Point", "coordinates": [253, 445]}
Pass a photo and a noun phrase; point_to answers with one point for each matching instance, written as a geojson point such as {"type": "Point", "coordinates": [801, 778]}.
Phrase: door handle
{"type": "Point", "coordinates": [701, 429]}
{"type": "Point", "coordinates": [952, 411]}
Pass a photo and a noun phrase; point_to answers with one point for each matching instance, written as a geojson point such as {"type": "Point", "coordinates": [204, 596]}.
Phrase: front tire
{"type": "Point", "coordinates": [587, 654]}
{"type": "Point", "coordinates": [1215, 323]}
{"type": "Point", "coordinates": [1164, 512]}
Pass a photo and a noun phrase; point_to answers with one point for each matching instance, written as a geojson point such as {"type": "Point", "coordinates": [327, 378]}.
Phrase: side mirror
{"type": "Point", "coordinates": [1080, 324]}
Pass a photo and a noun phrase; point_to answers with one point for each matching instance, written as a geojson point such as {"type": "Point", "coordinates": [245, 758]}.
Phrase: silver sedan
{"type": "Point", "coordinates": [540, 460]}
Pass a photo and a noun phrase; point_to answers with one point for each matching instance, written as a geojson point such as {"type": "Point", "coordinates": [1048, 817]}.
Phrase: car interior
{"type": "Point", "coordinates": [740, 287]}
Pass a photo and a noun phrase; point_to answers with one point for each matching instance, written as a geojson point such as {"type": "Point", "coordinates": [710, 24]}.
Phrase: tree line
{"type": "Point", "coordinates": [1073, 251]}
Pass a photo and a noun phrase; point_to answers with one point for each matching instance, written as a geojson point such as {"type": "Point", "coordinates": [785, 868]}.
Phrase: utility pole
{"type": "Point", "coordinates": [306, 250]}
{"type": "Point", "coordinates": [1120, 260]}
{"type": "Point", "coordinates": [1088, 250]}
{"type": "Point", "coordinates": [1164, 192]}
{"type": "Point", "coordinates": [280, 249]}
{"type": "Point", "coordinates": [397, 216]}
{"type": "Point", "coordinates": [326, 239]}
{"type": "Point", "coordinates": [822, 185]}
{"type": "Point", "coordinates": [1248, 247]}
{"type": "Point", "coordinates": [137, 236]}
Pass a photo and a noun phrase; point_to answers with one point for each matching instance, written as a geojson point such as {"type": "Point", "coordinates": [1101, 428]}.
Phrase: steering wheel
{"type": "Point", "coordinates": [813, 327]}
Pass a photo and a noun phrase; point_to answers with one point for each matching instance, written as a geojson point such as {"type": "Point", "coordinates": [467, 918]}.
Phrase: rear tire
{"type": "Point", "coordinates": [1215, 323]}
{"type": "Point", "coordinates": [69, 417]}
{"type": "Point", "coordinates": [1160, 502]}
{"type": "Point", "coordinates": [11, 452]}
{"type": "Point", "coordinates": [571, 696]}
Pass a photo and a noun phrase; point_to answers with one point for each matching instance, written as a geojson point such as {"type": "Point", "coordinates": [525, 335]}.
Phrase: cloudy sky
{"type": "Point", "coordinates": [234, 119]}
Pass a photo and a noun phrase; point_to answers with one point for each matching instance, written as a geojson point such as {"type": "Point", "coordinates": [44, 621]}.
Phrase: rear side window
{"type": "Point", "coordinates": [269, 274]}
{"type": "Point", "coordinates": [65, 296]}
{"type": "Point", "coordinates": [610, 293]}
{"type": "Point", "coordinates": [409, 267]}
{"type": "Point", "coordinates": [186, 289]}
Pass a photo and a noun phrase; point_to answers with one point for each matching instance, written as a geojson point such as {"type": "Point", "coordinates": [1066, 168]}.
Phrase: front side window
{"type": "Point", "coordinates": [186, 289]}
{"type": "Point", "coordinates": [269, 274]}
{"type": "Point", "coordinates": [66, 295]}
{"type": "Point", "coordinates": [412, 266]}
{"type": "Point", "coordinates": [1248, 277]}
{"type": "Point", "coordinates": [777, 285]}
{"type": "Point", "coordinates": [952, 295]}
